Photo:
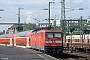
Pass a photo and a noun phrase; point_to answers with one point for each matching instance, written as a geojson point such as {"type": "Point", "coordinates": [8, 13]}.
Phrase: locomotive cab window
{"type": "Point", "coordinates": [53, 35]}
{"type": "Point", "coordinates": [57, 35]}
{"type": "Point", "coordinates": [49, 35]}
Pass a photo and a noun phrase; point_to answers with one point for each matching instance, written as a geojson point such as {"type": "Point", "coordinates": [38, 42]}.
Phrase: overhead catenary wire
{"type": "Point", "coordinates": [79, 4]}
{"type": "Point", "coordinates": [34, 13]}
{"type": "Point", "coordinates": [38, 10]}
{"type": "Point", "coordinates": [82, 4]}
{"type": "Point", "coordinates": [8, 9]}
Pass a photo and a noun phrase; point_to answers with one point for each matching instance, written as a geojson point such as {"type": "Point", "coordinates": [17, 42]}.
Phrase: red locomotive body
{"type": "Point", "coordinates": [48, 41]}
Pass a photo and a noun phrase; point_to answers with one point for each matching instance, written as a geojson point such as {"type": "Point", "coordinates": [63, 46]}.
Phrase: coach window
{"type": "Point", "coordinates": [78, 40]}
{"type": "Point", "coordinates": [68, 40]}
{"type": "Point", "coordinates": [88, 41]}
{"type": "Point", "coordinates": [75, 40]}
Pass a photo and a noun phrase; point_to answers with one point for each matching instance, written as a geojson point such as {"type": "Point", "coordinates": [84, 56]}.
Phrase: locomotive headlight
{"type": "Point", "coordinates": [48, 41]}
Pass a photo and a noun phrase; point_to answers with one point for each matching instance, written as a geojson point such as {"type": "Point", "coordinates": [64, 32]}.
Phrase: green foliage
{"type": "Point", "coordinates": [30, 26]}
{"type": "Point", "coordinates": [74, 25]}
{"type": "Point", "coordinates": [56, 27]}
{"type": "Point", "coordinates": [76, 33]}
{"type": "Point", "coordinates": [76, 28]}
{"type": "Point", "coordinates": [89, 22]}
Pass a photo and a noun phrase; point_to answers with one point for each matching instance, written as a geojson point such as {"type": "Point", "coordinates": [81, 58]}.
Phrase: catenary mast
{"type": "Point", "coordinates": [63, 22]}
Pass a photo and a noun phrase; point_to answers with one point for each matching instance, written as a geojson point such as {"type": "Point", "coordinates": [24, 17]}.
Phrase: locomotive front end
{"type": "Point", "coordinates": [54, 43]}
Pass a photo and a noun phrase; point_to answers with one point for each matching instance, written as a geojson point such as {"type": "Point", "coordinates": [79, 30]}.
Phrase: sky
{"type": "Point", "coordinates": [36, 7]}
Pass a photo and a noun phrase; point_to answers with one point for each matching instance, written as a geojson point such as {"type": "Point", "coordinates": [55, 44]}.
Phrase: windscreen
{"type": "Point", "coordinates": [53, 35]}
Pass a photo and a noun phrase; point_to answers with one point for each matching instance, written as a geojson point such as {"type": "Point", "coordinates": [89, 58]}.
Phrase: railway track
{"type": "Point", "coordinates": [72, 56]}
{"type": "Point", "coordinates": [85, 55]}
{"type": "Point", "coordinates": [75, 56]}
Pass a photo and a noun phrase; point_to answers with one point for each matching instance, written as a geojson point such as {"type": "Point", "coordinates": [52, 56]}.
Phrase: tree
{"type": "Point", "coordinates": [70, 28]}
{"type": "Point", "coordinates": [88, 24]}
{"type": "Point", "coordinates": [30, 26]}
{"type": "Point", "coordinates": [56, 27]}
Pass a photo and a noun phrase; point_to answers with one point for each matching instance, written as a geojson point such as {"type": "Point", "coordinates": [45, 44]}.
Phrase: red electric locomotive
{"type": "Point", "coordinates": [49, 41]}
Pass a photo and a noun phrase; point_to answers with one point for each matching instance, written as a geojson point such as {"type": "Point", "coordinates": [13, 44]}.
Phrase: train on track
{"type": "Point", "coordinates": [47, 40]}
{"type": "Point", "coordinates": [43, 39]}
{"type": "Point", "coordinates": [79, 43]}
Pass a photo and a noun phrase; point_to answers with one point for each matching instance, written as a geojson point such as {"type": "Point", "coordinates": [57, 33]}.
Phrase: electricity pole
{"type": "Point", "coordinates": [63, 22]}
{"type": "Point", "coordinates": [49, 13]}
{"type": "Point", "coordinates": [81, 32]}
{"type": "Point", "coordinates": [19, 14]}
{"type": "Point", "coordinates": [63, 13]}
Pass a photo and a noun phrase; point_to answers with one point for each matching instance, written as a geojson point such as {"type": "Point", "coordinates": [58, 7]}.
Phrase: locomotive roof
{"type": "Point", "coordinates": [42, 28]}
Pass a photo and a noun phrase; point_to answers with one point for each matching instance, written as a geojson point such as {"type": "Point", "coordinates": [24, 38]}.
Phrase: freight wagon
{"type": "Point", "coordinates": [79, 43]}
